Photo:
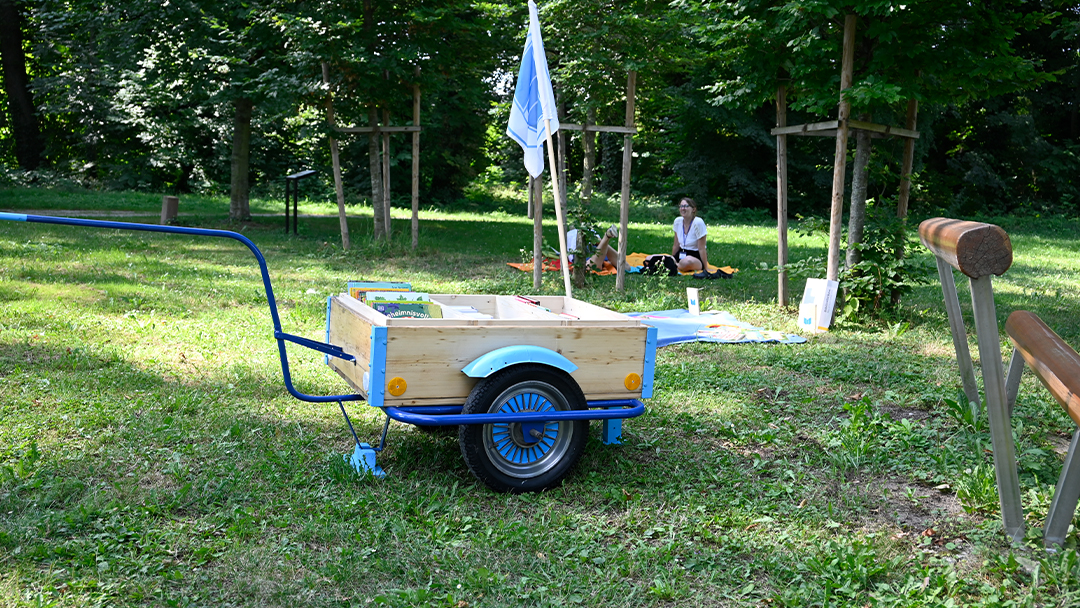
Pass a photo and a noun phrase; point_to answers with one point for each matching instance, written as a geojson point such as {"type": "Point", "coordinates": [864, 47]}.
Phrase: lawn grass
{"type": "Point", "coordinates": [149, 454]}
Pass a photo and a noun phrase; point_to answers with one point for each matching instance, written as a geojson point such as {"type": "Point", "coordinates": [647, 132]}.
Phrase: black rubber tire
{"type": "Point", "coordinates": [532, 466]}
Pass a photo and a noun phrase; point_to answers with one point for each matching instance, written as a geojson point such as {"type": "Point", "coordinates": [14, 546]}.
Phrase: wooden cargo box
{"type": "Point", "coordinates": [423, 359]}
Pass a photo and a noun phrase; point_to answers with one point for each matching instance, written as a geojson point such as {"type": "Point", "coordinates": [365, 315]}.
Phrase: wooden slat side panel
{"type": "Point", "coordinates": [588, 312]}
{"type": "Point", "coordinates": [1053, 361]}
{"type": "Point", "coordinates": [430, 359]}
{"type": "Point", "coordinates": [352, 333]}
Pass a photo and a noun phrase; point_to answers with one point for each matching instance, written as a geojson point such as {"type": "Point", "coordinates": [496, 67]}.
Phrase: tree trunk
{"type": "Point", "coordinates": [375, 167]}
{"type": "Point", "coordinates": [859, 178]}
{"type": "Point", "coordinates": [240, 188]}
{"type": "Point", "coordinates": [29, 146]}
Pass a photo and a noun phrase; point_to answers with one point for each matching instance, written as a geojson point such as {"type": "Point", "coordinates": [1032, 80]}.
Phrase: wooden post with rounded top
{"type": "Point", "coordinates": [980, 251]}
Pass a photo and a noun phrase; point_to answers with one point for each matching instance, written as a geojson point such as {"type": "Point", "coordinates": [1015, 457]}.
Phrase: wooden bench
{"type": "Point", "coordinates": [980, 251]}
{"type": "Point", "coordinates": [1057, 366]}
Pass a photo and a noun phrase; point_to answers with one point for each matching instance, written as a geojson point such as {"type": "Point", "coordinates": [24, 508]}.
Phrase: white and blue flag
{"type": "Point", "coordinates": [534, 101]}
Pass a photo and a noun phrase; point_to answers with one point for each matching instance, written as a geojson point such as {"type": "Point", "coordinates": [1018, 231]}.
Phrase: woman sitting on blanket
{"type": "Point", "coordinates": [688, 249]}
{"type": "Point", "coordinates": [603, 249]}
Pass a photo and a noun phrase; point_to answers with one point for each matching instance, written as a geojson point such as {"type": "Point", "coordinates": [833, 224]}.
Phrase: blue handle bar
{"type": "Point", "coordinates": [279, 335]}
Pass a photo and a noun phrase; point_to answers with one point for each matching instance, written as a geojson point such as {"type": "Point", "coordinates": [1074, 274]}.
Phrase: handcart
{"type": "Point", "coordinates": [521, 385]}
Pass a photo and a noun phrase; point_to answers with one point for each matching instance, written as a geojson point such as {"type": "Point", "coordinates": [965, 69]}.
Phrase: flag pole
{"type": "Point", "coordinates": [556, 190]}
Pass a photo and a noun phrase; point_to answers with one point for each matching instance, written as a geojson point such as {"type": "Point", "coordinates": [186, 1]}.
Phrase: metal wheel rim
{"type": "Point", "coordinates": [502, 440]}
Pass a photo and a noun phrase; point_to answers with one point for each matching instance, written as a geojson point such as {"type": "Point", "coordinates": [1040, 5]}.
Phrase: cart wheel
{"type": "Point", "coordinates": [523, 457]}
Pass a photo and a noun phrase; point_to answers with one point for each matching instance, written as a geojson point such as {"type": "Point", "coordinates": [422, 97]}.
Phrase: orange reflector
{"type": "Point", "coordinates": [632, 382]}
{"type": "Point", "coordinates": [396, 386]}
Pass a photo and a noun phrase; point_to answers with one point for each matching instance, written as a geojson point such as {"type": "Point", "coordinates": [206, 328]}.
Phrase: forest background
{"type": "Point", "coordinates": [230, 96]}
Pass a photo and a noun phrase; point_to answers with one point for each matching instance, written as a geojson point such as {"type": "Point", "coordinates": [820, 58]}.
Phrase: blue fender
{"type": "Point", "coordinates": [489, 363]}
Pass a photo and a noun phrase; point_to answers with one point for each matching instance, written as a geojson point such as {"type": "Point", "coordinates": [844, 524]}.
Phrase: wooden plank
{"type": "Point", "coordinates": [1053, 361]}
{"type": "Point", "coordinates": [829, 125]}
{"type": "Point", "coordinates": [406, 129]}
{"type": "Point", "coordinates": [840, 159]}
{"type": "Point", "coordinates": [624, 194]}
{"type": "Point", "coordinates": [588, 140]}
{"type": "Point", "coordinates": [584, 310]}
{"type": "Point", "coordinates": [781, 198]}
{"type": "Point", "coordinates": [538, 229]}
{"type": "Point", "coordinates": [350, 330]}
{"type": "Point", "coordinates": [416, 164]}
{"type": "Point", "coordinates": [561, 137]}
{"type": "Point", "coordinates": [387, 224]}
{"type": "Point", "coordinates": [883, 129]}
{"type": "Point", "coordinates": [974, 248]}
{"type": "Point", "coordinates": [335, 159]}
{"type": "Point", "coordinates": [908, 161]}
{"type": "Point", "coordinates": [569, 126]}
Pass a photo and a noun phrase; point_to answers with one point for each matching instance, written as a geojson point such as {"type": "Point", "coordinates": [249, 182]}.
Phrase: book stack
{"type": "Point", "coordinates": [360, 289]}
{"type": "Point", "coordinates": [395, 300]}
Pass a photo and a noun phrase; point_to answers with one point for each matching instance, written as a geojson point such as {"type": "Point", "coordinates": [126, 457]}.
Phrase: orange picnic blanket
{"type": "Point", "coordinates": [632, 259]}
{"type": "Point", "coordinates": [549, 265]}
{"type": "Point", "coordinates": [637, 259]}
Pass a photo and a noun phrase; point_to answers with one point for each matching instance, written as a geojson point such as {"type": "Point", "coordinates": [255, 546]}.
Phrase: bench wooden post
{"type": "Point", "coordinates": [980, 250]}
{"type": "Point", "coordinates": [1057, 366]}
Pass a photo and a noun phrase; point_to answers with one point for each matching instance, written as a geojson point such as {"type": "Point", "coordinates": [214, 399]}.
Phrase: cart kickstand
{"type": "Point", "coordinates": [363, 457]}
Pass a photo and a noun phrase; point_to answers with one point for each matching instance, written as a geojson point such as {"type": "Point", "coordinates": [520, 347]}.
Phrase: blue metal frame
{"type": "Point", "coordinates": [489, 363]}
{"type": "Point", "coordinates": [650, 364]}
{"type": "Point", "coordinates": [376, 388]}
{"type": "Point", "coordinates": [280, 336]}
{"type": "Point", "coordinates": [624, 408]}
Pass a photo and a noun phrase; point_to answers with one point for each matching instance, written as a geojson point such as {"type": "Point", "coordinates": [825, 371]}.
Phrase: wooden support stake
{"type": "Point", "coordinates": [336, 160]}
{"type": "Point", "coordinates": [781, 198]}
{"type": "Point", "coordinates": [840, 162]}
{"type": "Point", "coordinates": [588, 140]}
{"type": "Point", "coordinates": [908, 162]}
{"type": "Point", "coordinates": [562, 158]}
{"type": "Point", "coordinates": [564, 263]}
{"type": "Point", "coordinates": [536, 198]}
{"type": "Point", "coordinates": [624, 197]}
{"type": "Point", "coordinates": [416, 162]}
{"type": "Point", "coordinates": [386, 172]}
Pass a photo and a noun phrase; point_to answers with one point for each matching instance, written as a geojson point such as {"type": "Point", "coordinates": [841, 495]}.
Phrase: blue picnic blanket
{"type": "Point", "coordinates": [676, 326]}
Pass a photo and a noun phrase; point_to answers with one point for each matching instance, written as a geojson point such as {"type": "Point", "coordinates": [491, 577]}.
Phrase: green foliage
{"type": "Point", "coordinates": [149, 454]}
{"type": "Point", "coordinates": [871, 288]}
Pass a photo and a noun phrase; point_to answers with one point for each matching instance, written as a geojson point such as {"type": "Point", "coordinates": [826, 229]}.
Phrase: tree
{"type": "Point", "coordinates": [28, 142]}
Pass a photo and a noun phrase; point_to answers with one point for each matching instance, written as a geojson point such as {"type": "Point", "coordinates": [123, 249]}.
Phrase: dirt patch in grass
{"type": "Point", "coordinates": [898, 412]}
{"type": "Point", "coordinates": [915, 507]}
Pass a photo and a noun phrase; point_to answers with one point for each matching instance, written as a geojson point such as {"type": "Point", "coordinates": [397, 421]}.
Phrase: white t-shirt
{"type": "Point", "coordinates": [689, 240]}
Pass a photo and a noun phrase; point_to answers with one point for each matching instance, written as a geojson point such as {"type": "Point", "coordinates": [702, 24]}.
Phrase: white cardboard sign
{"type": "Point", "coordinates": [816, 309]}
